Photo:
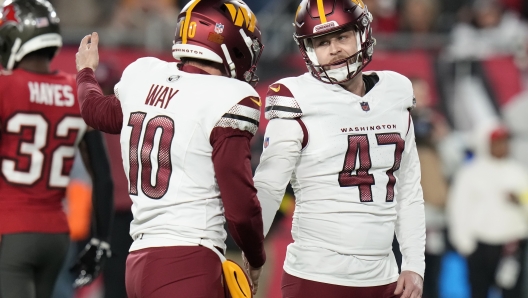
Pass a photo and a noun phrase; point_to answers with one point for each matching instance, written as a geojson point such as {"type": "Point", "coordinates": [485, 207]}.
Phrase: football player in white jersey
{"type": "Point", "coordinates": [185, 133]}
{"type": "Point", "coordinates": [345, 141]}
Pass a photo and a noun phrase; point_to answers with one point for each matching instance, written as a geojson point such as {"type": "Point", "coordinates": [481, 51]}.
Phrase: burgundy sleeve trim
{"type": "Point", "coordinates": [251, 102]}
{"type": "Point", "coordinates": [279, 90]}
{"type": "Point", "coordinates": [305, 133]}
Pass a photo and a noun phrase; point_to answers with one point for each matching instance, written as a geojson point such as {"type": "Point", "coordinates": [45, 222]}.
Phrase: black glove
{"type": "Point", "coordinates": [90, 262]}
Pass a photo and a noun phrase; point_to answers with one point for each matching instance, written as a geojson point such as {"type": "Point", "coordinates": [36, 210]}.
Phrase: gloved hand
{"type": "Point", "coordinates": [90, 262]}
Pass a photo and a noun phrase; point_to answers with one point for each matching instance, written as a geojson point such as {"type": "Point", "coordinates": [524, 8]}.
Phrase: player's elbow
{"type": "Point", "coordinates": [245, 216]}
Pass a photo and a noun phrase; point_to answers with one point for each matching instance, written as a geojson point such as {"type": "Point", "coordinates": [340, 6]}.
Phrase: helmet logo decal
{"type": "Point", "coordinates": [42, 22]}
{"type": "Point", "coordinates": [217, 36]}
{"type": "Point", "coordinates": [320, 8]}
{"type": "Point", "coordinates": [9, 15]}
{"type": "Point", "coordinates": [325, 26]}
{"type": "Point", "coordinates": [191, 31]}
{"type": "Point", "coordinates": [241, 16]}
{"type": "Point", "coordinates": [219, 28]}
{"type": "Point", "coordinates": [359, 3]}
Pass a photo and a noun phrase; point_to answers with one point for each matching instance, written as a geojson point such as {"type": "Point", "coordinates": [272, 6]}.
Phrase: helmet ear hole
{"type": "Point", "coordinates": [238, 53]}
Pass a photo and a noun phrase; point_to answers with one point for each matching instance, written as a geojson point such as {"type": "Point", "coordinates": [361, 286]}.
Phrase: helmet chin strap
{"type": "Point", "coordinates": [341, 73]}
{"type": "Point", "coordinates": [229, 61]}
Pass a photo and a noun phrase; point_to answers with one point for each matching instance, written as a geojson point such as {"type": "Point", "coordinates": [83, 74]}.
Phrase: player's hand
{"type": "Point", "coordinates": [410, 284]}
{"type": "Point", "coordinates": [253, 273]}
{"type": "Point", "coordinates": [88, 55]}
{"type": "Point", "coordinates": [90, 262]}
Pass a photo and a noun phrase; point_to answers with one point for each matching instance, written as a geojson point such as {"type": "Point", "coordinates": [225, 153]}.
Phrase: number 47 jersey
{"type": "Point", "coordinates": [353, 165]}
{"type": "Point", "coordinates": [41, 126]}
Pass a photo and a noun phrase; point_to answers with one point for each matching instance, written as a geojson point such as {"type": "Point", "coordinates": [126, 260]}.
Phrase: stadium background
{"type": "Point", "coordinates": [468, 67]}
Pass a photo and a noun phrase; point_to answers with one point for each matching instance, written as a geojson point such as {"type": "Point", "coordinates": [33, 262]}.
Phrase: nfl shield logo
{"type": "Point", "coordinates": [266, 142]}
{"type": "Point", "coordinates": [219, 28]}
{"type": "Point", "coordinates": [365, 106]}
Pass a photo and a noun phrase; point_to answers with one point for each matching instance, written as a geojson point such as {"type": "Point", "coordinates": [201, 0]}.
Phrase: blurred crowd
{"type": "Point", "coordinates": [470, 122]}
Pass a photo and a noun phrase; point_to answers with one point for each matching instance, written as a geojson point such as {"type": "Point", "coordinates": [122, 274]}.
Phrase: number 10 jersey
{"type": "Point", "coordinates": [168, 119]}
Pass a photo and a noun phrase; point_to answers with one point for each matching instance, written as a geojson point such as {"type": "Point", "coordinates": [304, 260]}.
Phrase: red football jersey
{"type": "Point", "coordinates": [41, 126]}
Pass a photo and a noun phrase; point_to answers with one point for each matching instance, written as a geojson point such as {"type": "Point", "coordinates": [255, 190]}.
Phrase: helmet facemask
{"type": "Point", "coordinates": [255, 48]}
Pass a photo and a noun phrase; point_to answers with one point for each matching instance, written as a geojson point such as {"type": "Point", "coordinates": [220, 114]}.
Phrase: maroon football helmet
{"type": "Point", "coordinates": [223, 31]}
{"type": "Point", "coordinates": [319, 17]}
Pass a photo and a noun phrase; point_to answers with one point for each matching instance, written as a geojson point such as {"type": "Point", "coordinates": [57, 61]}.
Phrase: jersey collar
{"type": "Point", "coordinates": [193, 69]}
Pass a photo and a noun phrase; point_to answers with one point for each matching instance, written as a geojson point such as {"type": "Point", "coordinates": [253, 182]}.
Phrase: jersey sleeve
{"type": "Point", "coordinates": [410, 223]}
{"type": "Point", "coordinates": [283, 142]}
{"type": "Point", "coordinates": [230, 139]}
{"type": "Point", "coordinates": [243, 116]}
{"type": "Point", "coordinates": [280, 103]}
{"type": "Point", "coordinates": [101, 112]}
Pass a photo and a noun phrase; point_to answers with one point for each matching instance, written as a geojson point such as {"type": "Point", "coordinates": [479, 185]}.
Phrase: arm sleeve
{"type": "Point", "coordinates": [101, 112]}
{"type": "Point", "coordinates": [283, 138]}
{"type": "Point", "coordinates": [410, 223]}
{"type": "Point", "coordinates": [96, 160]}
{"type": "Point", "coordinates": [232, 165]}
{"type": "Point", "coordinates": [458, 203]}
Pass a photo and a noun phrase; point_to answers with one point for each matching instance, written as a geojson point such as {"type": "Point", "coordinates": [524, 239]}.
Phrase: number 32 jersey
{"type": "Point", "coordinates": [41, 126]}
{"type": "Point", "coordinates": [353, 165]}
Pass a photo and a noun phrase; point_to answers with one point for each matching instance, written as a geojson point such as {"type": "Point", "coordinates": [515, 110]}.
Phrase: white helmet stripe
{"type": "Point", "coordinates": [14, 50]}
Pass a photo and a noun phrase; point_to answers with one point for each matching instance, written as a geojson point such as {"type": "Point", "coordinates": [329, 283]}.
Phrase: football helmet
{"type": "Point", "coordinates": [26, 26]}
{"type": "Point", "coordinates": [319, 17]}
{"type": "Point", "coordinates": [222, 31]}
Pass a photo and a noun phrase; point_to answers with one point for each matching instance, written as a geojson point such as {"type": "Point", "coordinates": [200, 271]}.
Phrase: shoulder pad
{"type": "Point", "coordinates": [280, 103]}
{"type": "Point", "coordinates": [403, 86]}
{"type": "Point", "coordinates": [244, 116]}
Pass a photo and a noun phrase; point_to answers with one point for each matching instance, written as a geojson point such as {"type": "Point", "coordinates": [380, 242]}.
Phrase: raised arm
{"type": "Point", "coordinates": [101, 112]}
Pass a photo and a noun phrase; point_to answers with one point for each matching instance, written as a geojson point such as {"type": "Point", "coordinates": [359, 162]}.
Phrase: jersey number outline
{"type": "Point", "coordinates": [359, 145]}
{"type": "Point", "coordinates": [160, 186]}
{"type": "Point", "coordinates": [33, 149]}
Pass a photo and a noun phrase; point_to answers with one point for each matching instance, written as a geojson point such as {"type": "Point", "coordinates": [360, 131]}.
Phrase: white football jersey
{"type": "Point", "coordinates": [356, 181]}
{"type": "Point", "coordinates": [168, 116]}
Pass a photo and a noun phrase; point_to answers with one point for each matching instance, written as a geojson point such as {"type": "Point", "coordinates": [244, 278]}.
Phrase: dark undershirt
{"type": "Point", "coordinates": [370, 81]}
